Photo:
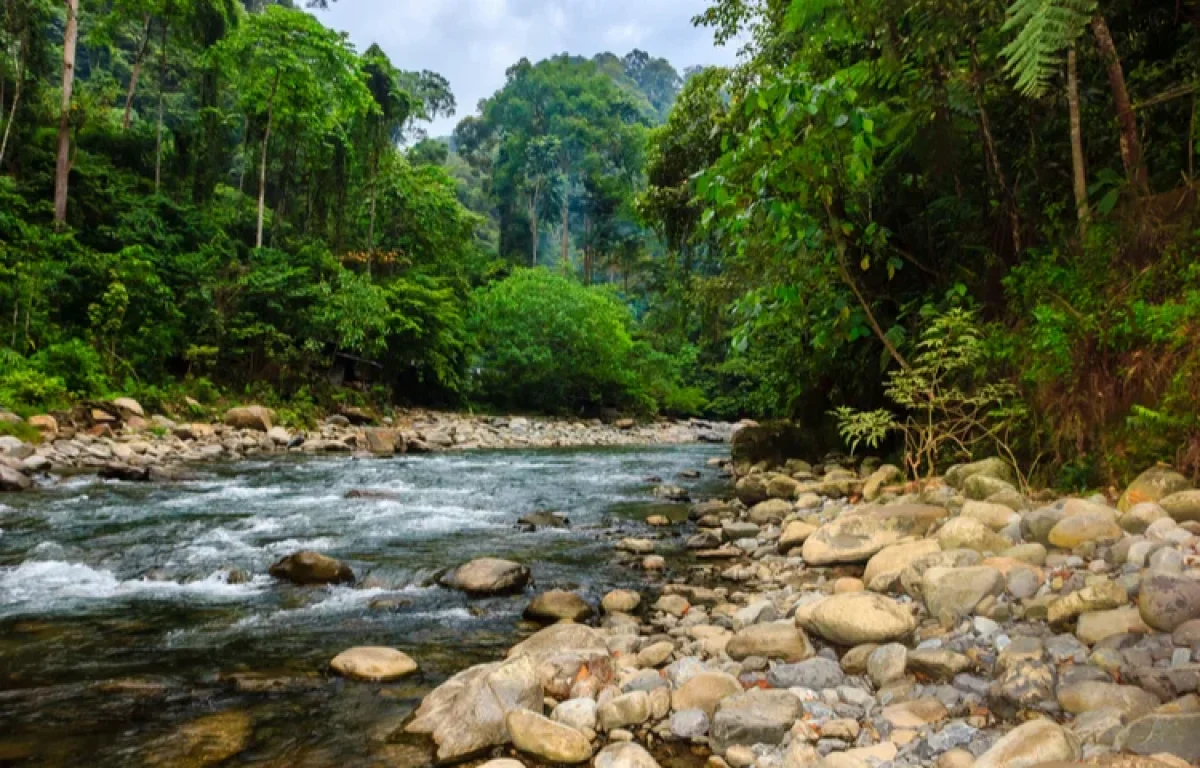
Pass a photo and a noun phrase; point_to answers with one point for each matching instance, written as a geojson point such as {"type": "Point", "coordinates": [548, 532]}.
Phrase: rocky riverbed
{"type": "Point", "coordinates": [808, 616]}
{"type": "Point", "coordinates": [831, 617]}
{"type": "Point", "coordinates": [119, 440]}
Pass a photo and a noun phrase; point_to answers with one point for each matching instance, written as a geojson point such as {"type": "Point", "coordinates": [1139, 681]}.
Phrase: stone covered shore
{"type": "Point", "coordinates": [120, 440]}
{"type": "Point", "coordinates": [831, 616]}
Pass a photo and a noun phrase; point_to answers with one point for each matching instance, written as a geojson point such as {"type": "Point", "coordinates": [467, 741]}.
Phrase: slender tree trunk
{"type": "Point", "coordinates": [1191, 143]}
{"type": "Point", "coordinates": [62, 167]}
{"type": "Point", "coordinates": [844, 273]}
{"type": "Point", "coordinates": [1131, 145]}
{"type": "Point", "coordinates": [371, 217]}
{"type": "Point", "coordinates": [133, 76]}
{"type": "Point", "coordinates": [533, 229]}
{"type": "Point", "coordinates": [1078, 163]}
{"type": "Point", "coordinates": [262, 165]}
{"type": "Point", "coordinates": [993, 156]}
{"type": "Point", "coordinates": [162, 92]}
{"type": "Point", "coordinates": [566, 235]}
{"type": "Point", "coordinates": [12, 111]}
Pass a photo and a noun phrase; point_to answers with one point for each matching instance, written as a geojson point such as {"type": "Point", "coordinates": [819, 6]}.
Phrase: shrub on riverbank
{"type": "Point", "coordinates": [546, 342]}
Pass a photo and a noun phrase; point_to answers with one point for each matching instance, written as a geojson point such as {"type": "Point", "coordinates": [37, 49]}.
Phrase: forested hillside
{"type": "Point", "coordinates": [971, 214]}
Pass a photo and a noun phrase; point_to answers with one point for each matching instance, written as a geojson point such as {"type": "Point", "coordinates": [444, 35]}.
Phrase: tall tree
{"type": "Point", "coordinates": [62, 166]}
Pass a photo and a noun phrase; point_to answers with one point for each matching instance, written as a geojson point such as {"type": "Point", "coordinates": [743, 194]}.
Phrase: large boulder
{"type": "Point", "coordinates": [560, 638]}
{"type": "Point", "coordinates": [1036, 742]}
{"type": "Point", "coordinates": [557, 605]}
{"type": "Point", "coordinates": [855, 538]}
{"type": "Point", "coordinates": [1182, 506]}
{"type": "Point", "coordinates": [856, 618]}
{"type": "Point", "coordinates": [12, 480]}
{"type": "Point", "coordinates": [1155, 484]}
{"type": "Point", "coordinates": [542, 737]}
{"type": "Point", "coordinates": [209, 740]}
{"type": "Point", "coordinates": [884, 568]}
{"type": "Point", "coordinates": [969, 533]}
{"type": "Point", "coordinates": [488, 576]}
{"type": "Point", "coordinates": [1176, 734]}
{"type": "Point", "coordinates": [994, 467]}
{"type": "Point", "coordinates": [1165, 601]}
{"type": "Point", "coordinates": [951, 593]}
{"type": "Point", "coordinates": [704, 692]}
{"type": "Point", "coordinates": [755, 717]}
{"type": "Point", "coordinates": [127, 407]}
{"type": "Point", "coordinates": [250, 417]}
{"type": "Point", "coordinates": [373, 663]}
{"type": "Point", "coordinates": [773, 443]}
{"type": "Point", "coordinates": [468, 713]}
{"type": "Point", "coordinates": [307, 568]}
{"type": "Point", "coordinates": [772, 640]}
{"type": "Point", "coordinates": [383, 442]}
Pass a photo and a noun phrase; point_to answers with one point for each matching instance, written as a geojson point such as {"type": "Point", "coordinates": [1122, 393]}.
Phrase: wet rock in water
{"type": "Point", "coordinates": [855, 538]}
{"type": "Point", "coordinates": [624, 754]}
{"type": "Point", "coordinates": [540, 736]}
{"type": "Point", "coordinates": [621, 601]}
{"type": "Point", "coordinates": [488, 576]}
{"type": "Point", "coordinates": [373, 664]}
{"type": "Point", "coordinates": [311, 568]}
{"type": "Point", "coordinates": [856, 618]}
{"type": "Point", "coordinates": [253, 417]}
{"type": "Point", "coordinates": [557, 605]}
{"type": "Point", "coordinates": [12, 480]}
{"type": "Point", "coordinates": [755, 717]}
{"type": "Point", "coordinates": [705, 691]}
{"type": "Point", "coordinates": [772, 640]}
{"type": "Point", "coordinates": [1176, 734]}
{"type": "Point", "coordinates": [535, 520]}
{"type": "Point", "coordinates": [671, 493]}
{"type": "Point", "coordinates": [124, 472]}
{"type": "Point", "coordinates": [1034, 743]}
{"type": "Point", "coordinates": [368, 493]}
{"type": "Point", "coordinates": [1165, 601]}
{"type": "Point", "coordinates": [467, 714]}
{"type": "Point", "coordinates": [207, 741]}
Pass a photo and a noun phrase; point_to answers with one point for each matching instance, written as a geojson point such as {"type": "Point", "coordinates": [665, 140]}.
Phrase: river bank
{"type": "Point", "coordinates": [803, 627]}
{"type": "Point", "coordinates": [121, 441]}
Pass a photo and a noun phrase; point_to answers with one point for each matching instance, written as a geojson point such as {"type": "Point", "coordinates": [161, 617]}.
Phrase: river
{"type": "Point", "coordinates": [118, 622]}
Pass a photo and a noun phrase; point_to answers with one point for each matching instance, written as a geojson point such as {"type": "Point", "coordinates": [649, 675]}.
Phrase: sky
{"type": "Point", "coordinates": [472, 42]}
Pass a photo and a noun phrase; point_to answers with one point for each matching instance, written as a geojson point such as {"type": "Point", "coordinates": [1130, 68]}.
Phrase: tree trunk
{"type": "Point", "coordinates": [1078, 166]}
{"type": "Point", "coordinates": [62, 167]}
{"type": "Point", "coordinates": [162, 91]}
{"type": "Point", "coordinates": [371, 217]}
{"type": "Point", "coordinates": [262, 165]}
{"type": "Point", "coordinates": [533, 230]}
{"type": "Point", "coordinates": [12, 112]}
{"type": "Point", "coordinates": [1191, 143]}
{"type": "Point", "coordinates": [844, 273]}
{"type": "Point", "coordinates": [133, 76]}
{"type": "Point", "coordinates": [1131, 145]}
{"type": "Point", "coordinates": [566, 235]}
{"type": "Point", "coordinates": [993, 156]}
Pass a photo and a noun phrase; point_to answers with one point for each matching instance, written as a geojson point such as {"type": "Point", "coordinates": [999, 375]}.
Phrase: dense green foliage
{"type": "Point", "coordinates": [776, 239]}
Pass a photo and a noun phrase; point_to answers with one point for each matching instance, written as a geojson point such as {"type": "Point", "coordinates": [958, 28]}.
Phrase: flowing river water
{"type": "Point", "coordinates": [119, 624]}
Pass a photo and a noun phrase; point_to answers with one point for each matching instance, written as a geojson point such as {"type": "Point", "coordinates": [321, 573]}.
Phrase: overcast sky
{"type": "Point", "coordinates": [472, 42]}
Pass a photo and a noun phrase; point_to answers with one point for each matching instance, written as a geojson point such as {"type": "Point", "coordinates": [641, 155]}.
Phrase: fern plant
{"type": "Point", "coordinates": [1045, 28]}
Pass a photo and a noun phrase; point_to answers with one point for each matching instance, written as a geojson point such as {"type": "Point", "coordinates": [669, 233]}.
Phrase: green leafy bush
{"type": "Point", "coordinates": [546, 342]}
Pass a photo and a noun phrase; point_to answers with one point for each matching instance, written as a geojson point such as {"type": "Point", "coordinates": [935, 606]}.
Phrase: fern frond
{"type": "Point", "coordinates": [1045, 28]}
